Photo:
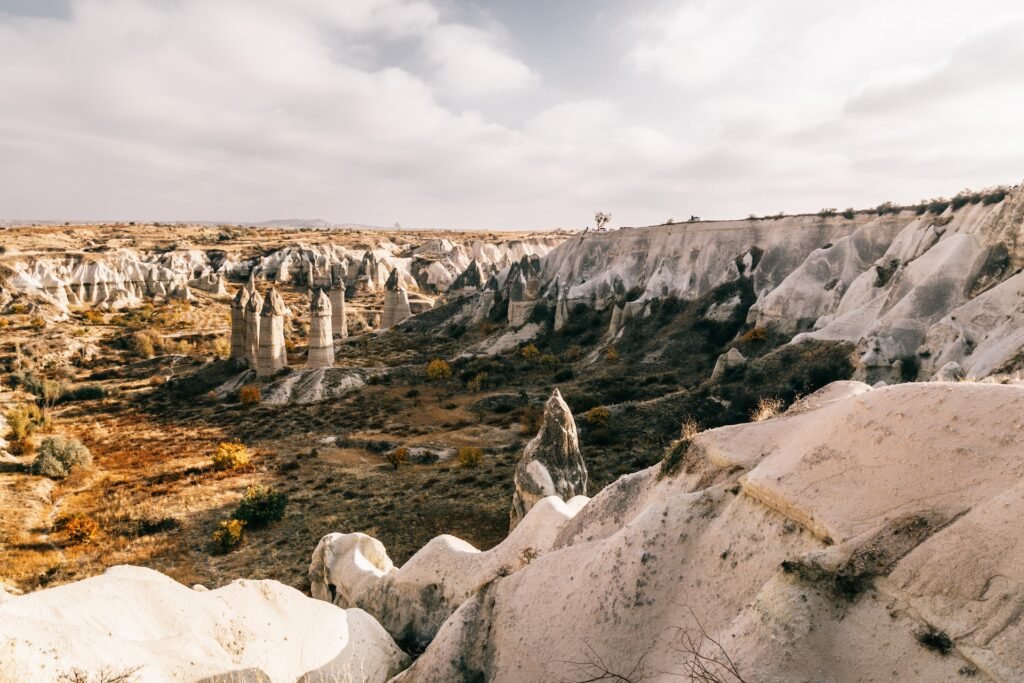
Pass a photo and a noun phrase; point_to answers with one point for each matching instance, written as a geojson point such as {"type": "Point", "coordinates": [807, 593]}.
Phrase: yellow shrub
{"type": "Point", "coordinates": [597, 417]}
{"type": "Point", "coordinates": [81, 529]}
{"type": "Point", "coordinates": [250, 395]}
{"type": "Point", "coordinates": [612, 354]}
{"type": "Point", "coordinates": [438, 371]}
{"type": "Point", "coordinates": [754, 334]}
{"type": "Point", "coordinates": [229, 534]}
{"type": "Point", "coordinates": [470, 457]}
{"type": "Point", "coordinates": [477, 383]}
{"type": "Point", "coordinates": [230, 456]}
{"type": "Point", "coordinates": [529, 352]}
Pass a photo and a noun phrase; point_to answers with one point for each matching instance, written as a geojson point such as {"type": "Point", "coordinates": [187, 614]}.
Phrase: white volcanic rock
{"type": "Point", "coordinates": [551, 463]}
{"type": "Point", "coordinates": [821, 545]}
{"type": "Point", "coordinates": [339, 321]}
{"type": "Point", "coordinates": [132, 618]}
{"type": "Point", "coordinates": [238, 327]}
{"type": "Point", "coordinates": [321, 341]}
{"type": "Point", "coordinates": [313, 385]}
{"type": "Point", "coordinates": [561, 312]}
{"type": "Point", "coordinates": [396, 302]}
{"type": "Point", "coordinates": [252, 325]}
{"type": "Point", "coordinates": [727, 361]}
{"type": "Point", "coordinates": [271, 356]}
{"type": "Point", "coordinates": [354, 570]}
{"type": "Point", "coordinates": [950, 372]}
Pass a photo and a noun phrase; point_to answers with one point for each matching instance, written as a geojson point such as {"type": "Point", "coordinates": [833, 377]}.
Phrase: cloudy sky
{"type": "Point", "coordinates": [501, 113]}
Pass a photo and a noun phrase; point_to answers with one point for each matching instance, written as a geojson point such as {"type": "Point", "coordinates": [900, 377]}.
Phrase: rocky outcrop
{"type": "Point", "coordinates": [137, 620]}
{"type": "Point", "coordinates": [252, 326]}
{"type": "Point", "coordinates": [339, 321]}
{"type": "Point", "coordinates": [561, 312]}
{"type": "Point", "coordinates": [726, 362]}
{"type": "Point", "coordinates": [321, 341]}
{"type": "Point", "coordinates": [863, 535]}
{"type": "Point", "coordinates": [238, 327]}
{"type": "Point", "coordinates": [271, 355]}
{"type": "Point", "coordinates": [354, 570]}
{"type": "Point", "coordinates": [521, 290]}
{"type": "Point", "coordinates": [396, 302]}
{"type": "Point", "coordinates": [551, 463]}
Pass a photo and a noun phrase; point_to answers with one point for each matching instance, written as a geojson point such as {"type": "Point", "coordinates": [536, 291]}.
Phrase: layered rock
{"type": "Point", "coordinates": [321, 341]}
{"type": "Point", "coordinates": [396, 302]}
{"type": "Point", "coordinates": [863, 535]}
{"type": "Point", "coordinates": [271, 356]}
{"type": "Point", "coordinates": [138, 620]}
{"type": "Point", "coordinates": [551, 463]}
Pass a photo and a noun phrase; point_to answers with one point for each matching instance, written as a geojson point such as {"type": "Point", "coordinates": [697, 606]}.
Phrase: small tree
{"type": "Point", "coordinates": [230, 456]}
{"type": "Point", "coordinates": [601, 219]}
{"type": "Point", "coordinates": [469, 456]}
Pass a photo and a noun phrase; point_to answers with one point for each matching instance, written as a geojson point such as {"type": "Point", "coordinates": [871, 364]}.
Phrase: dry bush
{"type": "Point", "coordinates": [469, 456]}
{"type": "Point", "coordinates": [612, 354]}
{"type": "Point", "coordinates": [676, 451]}
{"type": "Point", "coordinates": [221, 347]}
{"type": "Point", "coordinates": [230, 456]}
{"type": "Point", "coordinates": [477, 383]}
{"type": "Point", "coordinates": [228, 535]}
{"type": "Point", "coordinates": [59, 456]}
{"type": "Point", "coordinates": [597, 417]}
{"type": "Point", "coordinates": [143, 344]}
{"type": "Point", "coordinates": [767, 408]}
{"type": "Point", "coordinates": [529, 352]}
{"type": "Point", "coordinates": [438, 371]}
{"type": "Point", "coordinates": [80, 529]}
{"type": "Point", "coordinates": [398, 457]}
{"type": "Point", "coordinates": [37, 322]}
{"type": "Point", "coordinates": [250, 395]}
{"type": "Point", "coordinates": [754, 334]}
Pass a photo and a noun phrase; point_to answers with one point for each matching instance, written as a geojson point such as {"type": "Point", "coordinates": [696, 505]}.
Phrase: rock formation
{"type": "Point", "coordinates": [354, 570]}
{"type": "Point", "coordinates": [396, 302]}
{"type": "Point", "coordinates": [252, 327]}
{"type": "Point", "coordinates": [470, 281]}
{"type": "Point", "coordinates": [321, 342]}
{"type": "Point", "coordinates": [238, 326]}
{"type": "Point", "coordinates": [271, 356]}
{"type": "Point", "coordinates": [551, 464]}
{"type": "Point", "coordinates": [562, 311]}
{"type": "Point", "coordinates": [863, 535]}
{"type": "Point", "coordinates": [339, 321]}
{"type": "Point", "coordinates": [726, 362]}
{"type": "Point", "coordinates": [136, 619]}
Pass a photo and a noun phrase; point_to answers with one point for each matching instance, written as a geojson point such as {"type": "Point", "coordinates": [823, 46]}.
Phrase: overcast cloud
{"type": "Point", "coordinates": [502, 114]}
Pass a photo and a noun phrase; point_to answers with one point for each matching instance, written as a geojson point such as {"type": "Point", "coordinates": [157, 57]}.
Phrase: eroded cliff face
{"type": "Point", "coordinates": [912, 291]}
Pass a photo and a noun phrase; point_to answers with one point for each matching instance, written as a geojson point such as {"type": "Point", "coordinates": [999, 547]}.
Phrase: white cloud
{"type": "Point", "coordinates": [469, 62]}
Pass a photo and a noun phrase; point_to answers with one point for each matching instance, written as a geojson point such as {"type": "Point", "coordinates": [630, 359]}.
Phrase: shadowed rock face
{"type": "Point", "coordinates": [552, 464]}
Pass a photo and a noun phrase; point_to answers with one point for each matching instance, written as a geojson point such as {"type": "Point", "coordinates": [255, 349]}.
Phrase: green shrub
{"type": "Point", "coordinates": [59, 456]}
{"type": "Point", "coordinates": [261, 505]}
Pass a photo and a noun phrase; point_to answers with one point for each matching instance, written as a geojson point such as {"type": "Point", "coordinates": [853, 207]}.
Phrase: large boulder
{"type": "Point", "coordinates": [132, 619]}
{"type": "Point", "coordinates": [412, 602]}
{"type": "Point", "coordinates": [551, 464]}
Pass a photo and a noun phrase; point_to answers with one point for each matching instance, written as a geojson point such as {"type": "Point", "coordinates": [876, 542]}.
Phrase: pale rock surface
{"type": "Point", "coordinates": [339, 321]}
{"type": "Point", "coordinates": [321, 340]}
{"type": "Point", "coordinates": [561, 312]}
{"type": "Point", "coordinates": [727, 361]}
{"type": "Point", "coordinates": [815, 546]}
{"type": "Point", "coordinates": [551, 463]}
{"type": "Point", "coordinates": [950, 372]}
{"type": "Point", "coordinates": [412, 602]}
{"type": "Point", "coordinates": [313, 385]}
{"type": "Point", "coordinates": [271, 355]}
{"type": "Point", "coordinates": [396, 302]}
{"type": "Point", "coordinates": [135, 618]}
{"type": "Point", "coordinates": [238, 325]}
{"type": "Point", "coordinates": [252, 326]}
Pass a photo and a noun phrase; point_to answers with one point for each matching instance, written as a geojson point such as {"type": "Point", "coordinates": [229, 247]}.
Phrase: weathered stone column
{"type": "Point", "coordinates": [238, 324]}
{"type": "Point", "coordinates": [271, 356]}
{"type": "Point", "coordinates": [252, 327]}
{"type": "Point", "coordinates": [321, 343]}
{"type": "Point", "coordinates": [561, 311]}
{"type": "Point", "coordinates": [396, 302]}
{"type": "Point", "coordinates": [339, 325]}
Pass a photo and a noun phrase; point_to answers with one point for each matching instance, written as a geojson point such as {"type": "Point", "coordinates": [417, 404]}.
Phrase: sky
{"type": "Point", "coordinates": [509, 114]}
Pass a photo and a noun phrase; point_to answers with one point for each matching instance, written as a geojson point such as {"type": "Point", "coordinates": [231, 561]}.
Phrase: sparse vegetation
{"type": "Point", "coordinates": [230, 456]}
{"type": "Point", "coordinates": [767, 408]}
{"type": "Point", "coordinates": [261, 505]}
{"type": "Point", "coordinates": [470, 456]}
{"type": "Point", "coordinates": [80, 529]}
{"type": "Point", "coordinates": [438, 371]}
{"type": "Point", "coordinates": [398, 457]}
{"type": "Point", "coordinates": [229, 535]}
{"type": "Point", "coordinates": [597, 417]}
{"type": "Point", "coordinates": [249, 395]}
{"type": "Point", "coordinates": [59, 456]}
